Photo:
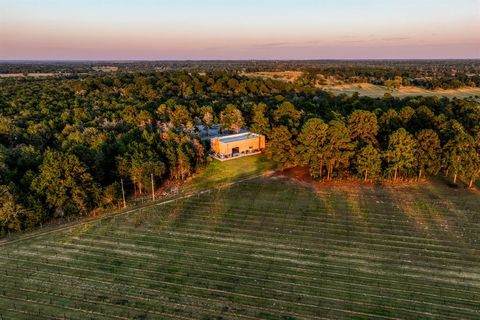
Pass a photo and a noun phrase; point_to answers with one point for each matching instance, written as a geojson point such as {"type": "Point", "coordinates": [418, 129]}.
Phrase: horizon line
{"type": "Point", "coordinates": [234, 60]}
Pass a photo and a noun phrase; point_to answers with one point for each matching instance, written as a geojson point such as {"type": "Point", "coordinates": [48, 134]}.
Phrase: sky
{"type": "Point", "coordinates": [238, 29]}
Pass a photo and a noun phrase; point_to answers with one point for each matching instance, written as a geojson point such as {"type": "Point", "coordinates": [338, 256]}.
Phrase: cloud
{"type": "Point", "coordinates": [395, 39]}
{"type": "Point", "coordinates": [272, 45]}
{"type": "Point", "coordinates": [353, 41]}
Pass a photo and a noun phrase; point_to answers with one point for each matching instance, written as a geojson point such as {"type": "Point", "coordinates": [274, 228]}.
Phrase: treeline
{"type": "Point", "coordinates": [404, 145]}
{"type": "Point", "coordinates": [429, 74]}
{"type": "Point", "coordinates": [65, 144]}
{"type": "Point", "coordinates": [433, 74]}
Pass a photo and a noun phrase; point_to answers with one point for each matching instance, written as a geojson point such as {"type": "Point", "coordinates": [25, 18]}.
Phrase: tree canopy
{"type": "Point", "coordinates": [67, 143]}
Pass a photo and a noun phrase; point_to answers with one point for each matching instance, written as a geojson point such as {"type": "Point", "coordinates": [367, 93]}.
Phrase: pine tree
{"type": "Point", "coordinates": [280, 147]}
{"type": "Point", "coordinates": [476, 164]}
{"type": "Point", "coordinates": [11, 212]}
{"type": "Point", "coordinates": [3, 165]}
{"type": "Point", "coordinates": [207, 117]}
{"type": "Point", "coordinates": [65, 183]}
{"type": "Point", "coordinates": [428, 152]}
{"type": "Point", "coordinates": [363, 126]}
{"type": "Point", "coordinates": [231, 119]}
{"type": "Point", "coordinates": [260, 123]}
{"type": "Point", "coordinates": [461, 155]}
{"type": "Point", "coordinates": [400, 154]}
{"type": "Point", "coordinates": [311, 142]}
{"type": "Point", "coordinates": [286, 114]}
{"type": "Point", "coordinates": [338, 148]}
{"type": "Point", "coordinates": [368, 162]}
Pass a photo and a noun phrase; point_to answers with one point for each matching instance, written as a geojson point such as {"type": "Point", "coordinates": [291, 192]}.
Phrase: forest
{"type": "Point", "coordinates": [428, 74]}
{"type": "Point", "coordinates": [66, 143]}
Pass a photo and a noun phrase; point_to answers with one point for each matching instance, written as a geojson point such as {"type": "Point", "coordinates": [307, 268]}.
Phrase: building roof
{"type": "Point", "coordinates": [238, 137]}
{"type": "Point", "coordinates": [213, 132]}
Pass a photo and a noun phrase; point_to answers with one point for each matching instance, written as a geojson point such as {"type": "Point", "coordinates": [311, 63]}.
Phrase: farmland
{"type": "Point", "coordinates": [269, 248]}
{"type": "Point", "coordinates": [375, 91]}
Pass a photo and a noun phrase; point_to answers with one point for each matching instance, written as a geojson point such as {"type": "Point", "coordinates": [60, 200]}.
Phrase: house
{"type": "Point", "coordinates": [237, 145]}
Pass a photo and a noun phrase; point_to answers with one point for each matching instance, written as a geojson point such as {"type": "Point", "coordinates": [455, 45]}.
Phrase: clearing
{"type": "Point", "coordinates": [218, 172]}
{"type": "Point", "coordinates": [33, 75]}
{"type": "Point", "coordinates": [371, 90]}
{"type": "Point", "coordinates": [287, 76]}
{"type": "Point", "coordinates": [266, 248]}
{"type": "Point", "coordinates": [368, 89]}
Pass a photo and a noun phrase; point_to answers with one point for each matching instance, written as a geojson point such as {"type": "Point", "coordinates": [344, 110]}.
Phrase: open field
{"type": "Point", "coordinates": [288, 76]}
{"type": "Point", "coordinates": [371, 90]}
{"type": "Point", "coordinates": [218, 172]}
{"type": "Point", "coordinates": [33, 75]}
{"type": "Point", "coordinates": [368, 89]}
{"type": "Point", "coordinates": [268, 248]}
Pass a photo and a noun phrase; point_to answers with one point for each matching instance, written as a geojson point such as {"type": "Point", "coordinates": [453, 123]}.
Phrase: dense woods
{"type": "Point", "coordinates": [66, 143]}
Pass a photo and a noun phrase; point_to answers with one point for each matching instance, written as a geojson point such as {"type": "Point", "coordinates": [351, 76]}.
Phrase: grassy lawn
{"type": "Point", "coordinates": [263, 249]}
{"type": "Point", "coordinates": [218, 172]}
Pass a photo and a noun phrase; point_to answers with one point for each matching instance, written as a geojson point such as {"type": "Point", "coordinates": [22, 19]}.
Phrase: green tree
{"type": "Point", "coordinates": [424, 118]}
{"type": "Point", "coordinates": [389, 121]}
{"type": "Point", "coordinates": [287, 115]}
{"type": "Point", "coordinates": [396, 83]}
{"type": "Point", "coordinates": [207, 117]}
{"type": "Point", "coordinates": [180, 117]}
{"type": "Point", "coordinates": [65, 183]}
{"type": "Point", "coordinates": [163, 112]}
{"type": "Point", "coordinates": [363, 126]}
{"type": "Point", "coordinates": [139, 163]}
{"type": "Point", "coordinates": [3, 165]}
{"type": "Point", "coordinates": [231, 119]}
{"type": "Point", "coordinates": [260, 123]}
{"type": "Point", "coordinates": [368, 162]}
{"type": "Point", "coordinates": [8, 131]}
{"type": "Point", "coordinates": [339, 148]}
{"type": "Point", "coordinates": [281, 148]}
{"type": "Point", "coordinates": [406, 114]}
{"type": "Point", "coordinates": [428, 152]}
{"type": "Point", "coordinates": [144, 119]}
{"type": "Point", "coordinates": [112, 195]}
{"type": "Point", "coordinates": [474, 166]}
{"type": "Point", "coordinates": [311, 142]}
{"type": "Point", "coordinates": [11, 212]}
{"type": "Point", "coordinates": [460, 154]}
{"type": "Point", "coordinates": [400, 154]}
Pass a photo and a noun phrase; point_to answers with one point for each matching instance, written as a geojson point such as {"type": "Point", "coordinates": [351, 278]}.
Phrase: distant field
{"type": "Point", "coordinates": [371, 90]}
{"type": "Point", "coordinates": [368, 89]}
{"type": "Point", "coordinates": [287, 76]}
{"type": "Point", "coordinates": [54, 74]}
{"type": "Point", "coordinates": [264, 249]}
{"type": "Point", "coordinates": [33, 75]}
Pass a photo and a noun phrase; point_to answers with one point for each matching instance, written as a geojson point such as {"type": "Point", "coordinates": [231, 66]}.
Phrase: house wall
{"type": "Point", "coordinates": [215, 145]}
{"type": "Point", "coordinates": [256, 143]}
{"type": "Point", "coordinates": [243, 145]}
{"type": "Point", "coordinates": [261, 142]}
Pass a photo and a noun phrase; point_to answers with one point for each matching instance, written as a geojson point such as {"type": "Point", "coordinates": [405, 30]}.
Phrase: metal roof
{"type": "Point", "coordinates": [238, 137]}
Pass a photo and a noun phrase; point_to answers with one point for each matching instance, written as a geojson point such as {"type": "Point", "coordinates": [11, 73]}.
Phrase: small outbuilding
{"type": "Point", "coordinates": [237, 145]}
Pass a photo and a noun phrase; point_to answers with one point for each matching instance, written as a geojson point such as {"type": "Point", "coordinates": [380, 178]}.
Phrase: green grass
{"type": "Point", "coordinates": [218, 172]}
{"type": "Point", "coordinates": [262, 249]}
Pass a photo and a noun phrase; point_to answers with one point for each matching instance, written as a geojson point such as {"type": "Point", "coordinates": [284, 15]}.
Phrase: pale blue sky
{"type": "Point", "coordinates": [261, 29]}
